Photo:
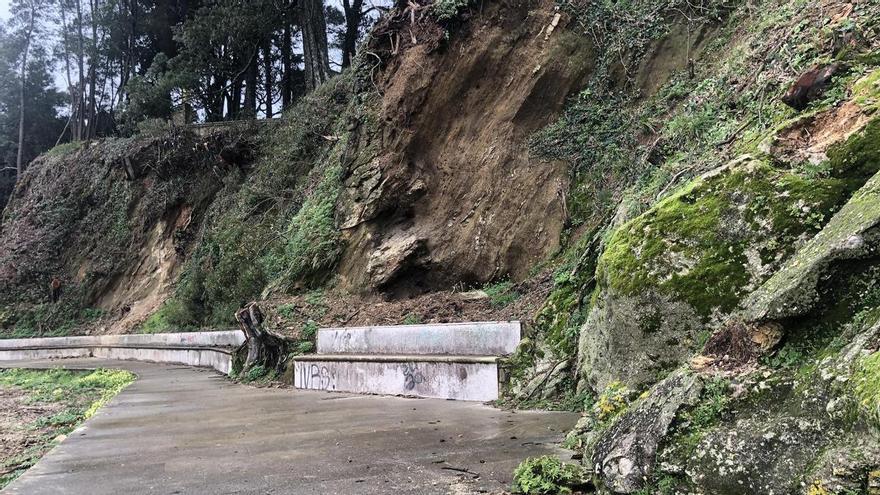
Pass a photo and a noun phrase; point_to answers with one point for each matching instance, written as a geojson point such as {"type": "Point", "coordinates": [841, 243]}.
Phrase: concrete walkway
{"type": "Point", "coordinates": [181, 430]}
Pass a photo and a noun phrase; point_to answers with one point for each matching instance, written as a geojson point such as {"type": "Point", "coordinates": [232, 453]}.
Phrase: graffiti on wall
{"type": "Point", "coordinates": [315, 376]}
{"type": "Point", "coordinates": [412, 376]}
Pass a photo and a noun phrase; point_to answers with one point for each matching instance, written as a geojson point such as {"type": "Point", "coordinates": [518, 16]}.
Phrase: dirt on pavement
{"type": "Point", "coordinates": [17, 433]}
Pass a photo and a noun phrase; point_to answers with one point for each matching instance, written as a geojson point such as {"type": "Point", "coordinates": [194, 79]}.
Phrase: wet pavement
{"type": "Point", "coordinates": [182, 430]}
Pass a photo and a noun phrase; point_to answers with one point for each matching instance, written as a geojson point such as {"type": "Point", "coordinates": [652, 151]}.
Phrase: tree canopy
{"type": "Point", "coordinates": [122, 62]}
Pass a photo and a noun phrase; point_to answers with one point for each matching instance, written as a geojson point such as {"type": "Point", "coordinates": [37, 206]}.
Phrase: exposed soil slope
{"type": "Point", "coordinates": [111, 221]}
{"type": "Point", "coordinates": [452, 195]}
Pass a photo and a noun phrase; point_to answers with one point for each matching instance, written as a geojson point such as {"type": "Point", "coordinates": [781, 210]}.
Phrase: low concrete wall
{"type": "Point", "coordinates": [209, 358]}
{"type": "Point", "coordinates": [230, 338]}
{"type": "Point", "coordinates": [193, 348]}
{"type": "Point", "coordinates": [476, 380]}
{"type": "Point", "coordinates": [45, 353]}
{"type": "Point", "coordinates": [464, 339]}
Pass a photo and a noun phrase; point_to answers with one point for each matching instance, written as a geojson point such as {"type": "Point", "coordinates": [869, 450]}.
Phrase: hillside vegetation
{"type": "Point", "coordinates": [695, 260]}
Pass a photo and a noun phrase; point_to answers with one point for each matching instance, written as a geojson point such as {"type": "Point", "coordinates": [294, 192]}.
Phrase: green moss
{"type": "Point", "coordinates": [859, 155]}
{"type": "Point", "coordinates": [866, 383]}
{"type": "Point", "coordinates": [854, 159]}
{"type": "Point", "coordinates": [866, 91]}
{"type": "Point", "coordinates": [695, 245]}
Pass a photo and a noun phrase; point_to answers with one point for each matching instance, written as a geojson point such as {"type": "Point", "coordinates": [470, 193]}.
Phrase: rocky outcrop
{"type": "Point", "coordinates": [789, 432]}
{"type": "Point", "coordinates": [624, 456]}
{"type": "Point", "coordinates": [686, 263]}
{"type": "Point", "coordinates": [804, 419]}
{"type": "Point", "coordinates": [853, 235]}
{"type": "Point", "coordinates": [393, 258]}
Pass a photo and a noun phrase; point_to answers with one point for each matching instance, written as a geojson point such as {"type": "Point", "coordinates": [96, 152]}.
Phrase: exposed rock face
{"type": "Point", "coordinates": [793, 432]}
{"type": "Point", "coordinates": [448, 160]}
{"type": "Point", "coordinates": [112, 219]}
{"type": "Point", "coordinates": [392, 259]}
{"type": "Point", "coordinates": [759, 456]}
{"type": "Point", "coordinates": [783, 429]}
{"type": "Point", "coordinates": [624, 456]}
{"type": "Point", "coordinates": [615, 343]}
{"type": "Point", "coordinates": [688, 261]}
{"type": "Point", "coordinates": [853, 234]}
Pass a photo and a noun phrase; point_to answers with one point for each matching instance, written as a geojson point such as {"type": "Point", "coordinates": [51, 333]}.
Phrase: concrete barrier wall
{"type": "Point", "coordinates": [159, 348]}
{"type": "Point", "coordinates": [462, 339]}
{"type": "Point", "coordinates": [444, 380]}
{"type": "Point", "coordinates": [27, 354]}
{"type": "Point", "coordinates": [208, 358]}
{"type": "Point", "coordinates": [230, 338]}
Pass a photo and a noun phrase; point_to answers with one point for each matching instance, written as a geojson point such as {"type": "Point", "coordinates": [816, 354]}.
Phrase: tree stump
{"type": "Point", "coordinates": [264, 347]}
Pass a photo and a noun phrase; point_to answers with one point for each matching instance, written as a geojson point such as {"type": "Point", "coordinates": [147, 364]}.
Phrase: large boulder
{"type": "Point", "coordinates": [793, 430]}
{"type": "Point", "coordinates": [623, 457]}
{"type": "Point", "coordinates": [852, 236]}
{"type": "Point", "coordinates": [685, 264]}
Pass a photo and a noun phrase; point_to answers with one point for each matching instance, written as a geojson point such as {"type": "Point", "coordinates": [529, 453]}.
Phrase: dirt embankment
{"type": "Point", "coordinates": [504, 301]}
{"type": "Point", "coordinates": [448, 193]}
{"type": "Point", "coordinates": [112, 221]}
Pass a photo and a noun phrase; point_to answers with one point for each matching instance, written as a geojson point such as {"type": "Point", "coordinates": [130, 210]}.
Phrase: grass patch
{"type": "Point", "coordinates": [412, 319]}
{"type": "Point", "coordinates": [74, 396]}
{"type": "Point", "coordinates": [547, 475]}
{"type": "Point", "coordinates": [501, 293]}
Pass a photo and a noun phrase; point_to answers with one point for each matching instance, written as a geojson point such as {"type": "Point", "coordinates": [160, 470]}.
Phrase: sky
{"type": "Point", "coordinates": [4, 9]}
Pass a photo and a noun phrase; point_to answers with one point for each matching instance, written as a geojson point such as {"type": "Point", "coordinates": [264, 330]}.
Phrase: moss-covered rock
{"type": "Point", "coordinates": [851, 235]}
{"type": "Point", "coordinates": [624, 456]}
{"type": "Point", "coordinates": [867, 385]}
{"type": "Point", "coordinates": [790, 431]}
{"type": "Point", "coordinates": [689, 261]}
{"type": "Point", "coordinates": [784, 431]}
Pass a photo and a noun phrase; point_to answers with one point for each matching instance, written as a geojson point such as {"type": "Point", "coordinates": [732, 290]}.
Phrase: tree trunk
{"type": "Point", "coordinates": [93, 71]}
{"type": "Point", "coordinates": [286, 67]}
{"type": "Point", "coordinates": [63, 7]}
{"type": "Point", "coordinates": [214, 100]}
{"type": "Point", "coordinates": [267, 77]}
{"type": "Point", "coordinates": [353, 16]}
{"type": "Point", "coordinates": [235, 99]}
{"type": "Point", "coordinates": [250, 92]}
{"type": "Point", "coordinates": [80, 97]}
{"type": "Point", "coordinates": [19, 165]}
{"type": "Point", "coordinates": [264, 348]}
{"type": "Point", "coordinates": [314, 34]}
